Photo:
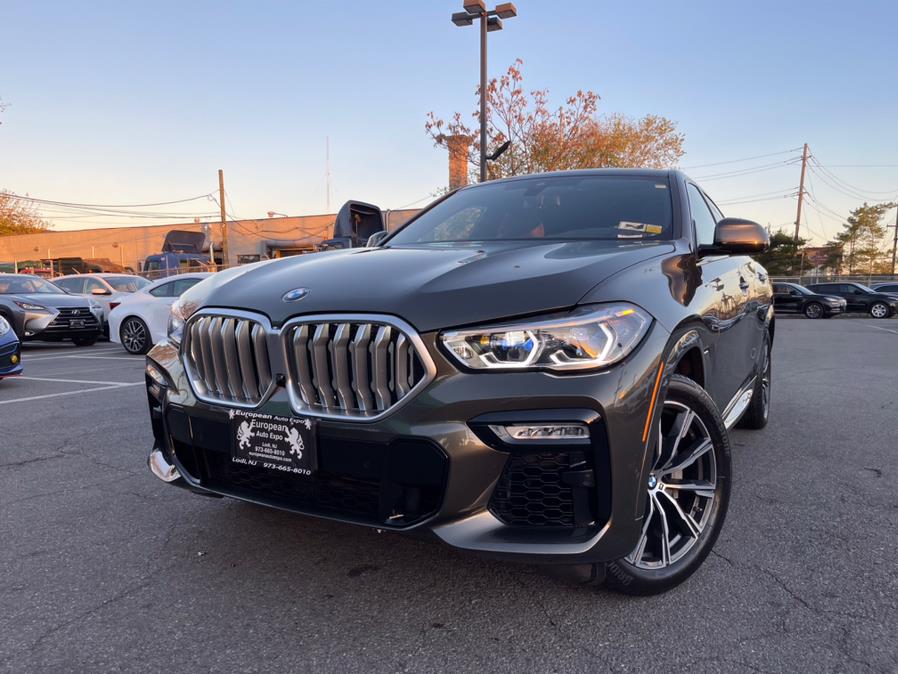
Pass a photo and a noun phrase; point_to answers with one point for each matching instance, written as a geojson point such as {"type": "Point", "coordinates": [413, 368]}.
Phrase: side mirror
{"type": "Point", "coordinates": [734, 236]}
{"type": "Point", "coordinates": [375, 239]}
{"type": "Point", "coordinates": [100, 291]}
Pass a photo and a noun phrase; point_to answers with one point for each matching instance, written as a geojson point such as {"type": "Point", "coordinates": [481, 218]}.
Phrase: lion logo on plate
{"type": "Point", "coordinates": [295, 295]}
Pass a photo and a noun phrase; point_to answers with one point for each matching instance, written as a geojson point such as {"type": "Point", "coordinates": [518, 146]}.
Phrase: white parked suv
{"type": "Point", "coordinates": [141, 319]}
{"type": "Point", "coordinates": [107, 289]}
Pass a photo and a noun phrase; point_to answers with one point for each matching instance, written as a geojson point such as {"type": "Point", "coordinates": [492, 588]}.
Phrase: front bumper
{"type": "Point", "coordinates": [434, 466]}
{"type": "Point", "coordinates": [10, 359]}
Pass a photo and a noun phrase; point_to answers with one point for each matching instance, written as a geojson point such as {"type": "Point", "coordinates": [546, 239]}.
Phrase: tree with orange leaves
{"type": "Point", "coordinates": [572, 136]}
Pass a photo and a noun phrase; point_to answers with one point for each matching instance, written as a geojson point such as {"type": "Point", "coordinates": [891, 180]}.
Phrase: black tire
{"type": "Point", "coordinates": [135, 336]}
{"type": "Point", "coordinates": [813, 310]}
{"type": "Point", "coordinates": [758, 412]}
{"type": "Point", "coordinates": [707, 497]}
{"type": "Point", "coordinates": [880, 310]}
{"type": "Point", "coordinates": [85, 341]}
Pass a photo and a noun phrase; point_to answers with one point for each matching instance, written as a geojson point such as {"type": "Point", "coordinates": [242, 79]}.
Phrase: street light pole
{"type": "Point", "coordinates": [483, 21]}
{"type": "Point", "coordinates": [490, 20]}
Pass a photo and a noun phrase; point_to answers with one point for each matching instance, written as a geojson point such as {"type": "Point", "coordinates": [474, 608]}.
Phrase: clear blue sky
{"type": "Point", "coordinates": [115, 102]}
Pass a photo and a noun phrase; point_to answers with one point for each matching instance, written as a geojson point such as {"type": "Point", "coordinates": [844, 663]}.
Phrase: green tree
{"type": "Point", "coordinates": [783, 257]}
{"type": "Point", "coordinates": [862, 238]}
{"type": "Point", "coordinates": [572, 136]}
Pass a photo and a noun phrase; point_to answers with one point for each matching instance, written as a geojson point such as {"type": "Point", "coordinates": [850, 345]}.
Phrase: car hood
{"type": "Point", "coordinates": [53, 300]}
{"type": "Point", "coordinates": [430, 286]}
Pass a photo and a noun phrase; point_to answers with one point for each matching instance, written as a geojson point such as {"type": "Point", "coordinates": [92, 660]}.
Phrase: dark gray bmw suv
{"type": "Point", "coordinates": [542, 368]}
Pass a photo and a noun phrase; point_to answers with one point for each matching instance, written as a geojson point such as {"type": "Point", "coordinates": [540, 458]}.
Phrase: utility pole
{"type": "Point", "coordinates": [895, 241]}
{"type": "Point", "coordinates": [327, 173]}
{"type": "Point", "coordinates": [224, 222]}
{"type": "Point", "coordinates": [804, 167]}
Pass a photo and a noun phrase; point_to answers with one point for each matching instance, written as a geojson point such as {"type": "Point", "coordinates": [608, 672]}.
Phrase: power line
{"type": "Point", "coordinates": [736, 161]}
{"type": "Point", "coordinates": [749, 170]}
{"type": "Point", "coordinates": [77, 205]}
{"type": "Point", "coordinates": [846, 184]}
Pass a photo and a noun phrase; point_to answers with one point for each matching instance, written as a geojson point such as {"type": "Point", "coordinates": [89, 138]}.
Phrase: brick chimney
{"type": "Point", "coordinates": [459, 145]}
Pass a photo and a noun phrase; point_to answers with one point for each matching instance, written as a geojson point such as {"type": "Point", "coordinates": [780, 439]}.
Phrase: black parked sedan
{"type": "Point", "coordinates": [860, 298]}
{"type": "Point", "coordinates": [792, 298]}
{"type": "Point", "coordinates": [890, 287]}
{"type": "Point", "coordinates": [52, 314]}
{"type": "Point", "coordinates": [542, 368]}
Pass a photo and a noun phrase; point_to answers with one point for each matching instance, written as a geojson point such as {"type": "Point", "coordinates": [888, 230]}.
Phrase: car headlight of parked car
{"type": "Point", "coordinates": [4, 326]}
{"type": "Point", "coordinates": [28, 306]}
{"type": "Point", "coordinates": [588, 338]}
{"type": "Point", "coordinates": [181, 310]}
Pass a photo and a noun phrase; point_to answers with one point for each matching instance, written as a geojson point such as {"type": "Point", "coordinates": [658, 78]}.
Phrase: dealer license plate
{"type": "Point", "coordinates": [270, 442]}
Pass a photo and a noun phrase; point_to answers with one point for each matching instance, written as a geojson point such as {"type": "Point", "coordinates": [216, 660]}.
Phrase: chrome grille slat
{"type": "Point", "coordinates": [206, 350]}
{"type": "Point", "coordinates": [245, 358]}
{"type": "Point", "coordinates": [340, 356]}
{"type": "Point", "coordinates": [218, 362]}
{"type": "Point", "coordinates": [260, 351]}
{"type": "Point", "coordinates": [360, 367]}
{"type": "Point", "coordinates": [320, 370]}
{"type": "Point", "coordinates": [381, 377]}
{"type": "Point", "coordinates": [232, 360]}
{"type": "Point", "coordinates": [345, 366]}
{"type": "Point", "coordinates": [301, 360]}
{"type": "Point", "coordinates": [401, 357]}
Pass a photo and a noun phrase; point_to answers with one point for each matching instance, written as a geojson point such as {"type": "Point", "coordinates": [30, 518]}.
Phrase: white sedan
{"type": "Point", "coordinates": [141, 319]}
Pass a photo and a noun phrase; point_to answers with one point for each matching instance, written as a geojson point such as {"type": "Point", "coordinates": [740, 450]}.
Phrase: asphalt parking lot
{"type": "Point", "coordinates": [104, 567]}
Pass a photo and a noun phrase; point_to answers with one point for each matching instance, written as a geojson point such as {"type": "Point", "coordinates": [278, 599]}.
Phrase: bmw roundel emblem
{"type": "Point", "coordinates": [295, 295]}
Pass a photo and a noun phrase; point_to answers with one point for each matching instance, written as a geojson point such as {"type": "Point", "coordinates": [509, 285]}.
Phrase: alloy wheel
{"type": "Point", "coordinates": [879, 310]}
{"type": "Point", "coordinates": [681, 491]}
{"type": "Point", "coordinates": [134, 336]}
{"type": "Point", "coordinates": [813, 310]}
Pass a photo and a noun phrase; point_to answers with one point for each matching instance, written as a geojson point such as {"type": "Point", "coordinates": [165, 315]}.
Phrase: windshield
{"type": "Point", "coordinates": [801, 289]}
{"type": "Point", "coordinates": [126, 284]}
{"type": "Point", "coordinates": [13, 285]}
{"type": "Point", "coordinates": [555, 207]}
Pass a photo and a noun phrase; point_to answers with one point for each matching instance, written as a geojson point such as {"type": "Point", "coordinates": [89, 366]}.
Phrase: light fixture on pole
{"type": "Point", "coordinates": [490, 20]}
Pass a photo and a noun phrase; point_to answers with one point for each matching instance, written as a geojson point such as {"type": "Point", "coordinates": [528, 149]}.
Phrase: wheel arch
{"type": "Point", "coordinates": [686, 352]}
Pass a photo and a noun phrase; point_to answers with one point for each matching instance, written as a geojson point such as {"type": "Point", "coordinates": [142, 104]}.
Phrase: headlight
{"type": "Point", "coordinates": [176, 321]}
{"type": "Point", "coordinates": [4, 326]}
{"type": "Point", "coordinates": [590, 337]}
{"type": "Point", "coordinates": [27, 306]}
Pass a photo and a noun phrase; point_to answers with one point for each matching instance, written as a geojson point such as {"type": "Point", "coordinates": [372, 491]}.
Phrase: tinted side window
{"type": "Point", "coordinates": [165, 290]}
{"type": "Point", "coordinates": [91, 284]}
{"type": "Point", "coordinates": [182, 286]}
{"type": "Point", "coordinates": [701, 216]}
{"type": "Point", "coordinates": [72, 285]}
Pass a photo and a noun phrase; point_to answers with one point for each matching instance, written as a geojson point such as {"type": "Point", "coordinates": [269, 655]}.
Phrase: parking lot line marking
{"type": "Point", "coordinates": [74, 381]}
{"type": "Point", "coordinates": [68, 393]}
{"type": "Point", "coordinates": [57, 354]}
{"type": "Point", "coordinates": [894, 332]}
{"type": "Point", "coordinates": [36, 360]}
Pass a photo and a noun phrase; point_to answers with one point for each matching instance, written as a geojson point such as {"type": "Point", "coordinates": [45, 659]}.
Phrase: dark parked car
{"type": "Point", "coordinates": [56, 314]}
{"type": "Point", "coordinates": [860, 298]}
{"type": "Point", "coordinates": [890, 287]}
{"type": "Point", "coordinates": [10, 358]}
{"type": "Point", "coordinates": [542, 368]}
{"type": "Point", "coordinates": [792, 298]}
